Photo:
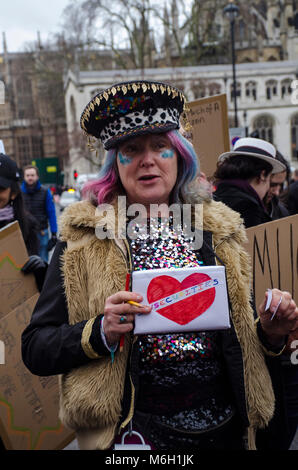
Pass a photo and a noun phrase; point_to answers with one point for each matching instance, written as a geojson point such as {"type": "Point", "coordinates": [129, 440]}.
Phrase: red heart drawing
{"type": "Point", "coordinates": [185, 310]}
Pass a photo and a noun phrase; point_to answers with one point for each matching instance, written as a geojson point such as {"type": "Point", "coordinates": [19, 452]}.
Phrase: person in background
{"type": "Point", "coordinates": [12, 209]}
{"type": "Point", "coordinates": [39, 202]}
{"type": "Point", "coordinates": [272, 200]}
{"type": "Point", "coordinates": [185, 390]}
{"type": "Point", "coordinates": [294, 176]}
{"type": "Point", "coordinates": [260, 172]}
{"type": "Point", "coordinates": [243, 178]}
{"type": "Point", "coordinates": [12, 204]}
{"type": "Point", "coordinates": [292, 198]}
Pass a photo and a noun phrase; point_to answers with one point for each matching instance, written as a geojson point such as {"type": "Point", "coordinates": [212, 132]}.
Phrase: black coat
{"type": "Point", "coordinates": [64, 350]}
{"type": "Point", "coordinates": [277, 436]}
{"type": "Point", "coordinates": [293, 198]}
{"type": "Point", "coordinates": [252, 212]}
{"type": "Point", "coordinates": [277, 209]}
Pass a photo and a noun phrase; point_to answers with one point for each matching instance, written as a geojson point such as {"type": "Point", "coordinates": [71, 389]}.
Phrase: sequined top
{"type": "Point", "coordinates": [182, 378]}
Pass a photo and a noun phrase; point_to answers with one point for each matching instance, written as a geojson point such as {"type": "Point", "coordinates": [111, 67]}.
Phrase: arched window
{"type": "Point", "coordinates": [199, 90]}
{"type": "Point", "coordinates": [24, 98]}
{"type": "Point", "coordinates": [286, 89]}
{"type": "Point", "coordinates": [296, 22]}
{"type": "Point", "coordinates": [214, 88]}
{"type": "Point", "coordinates": [238, 90]}
{"type": "Point", "coordinates": [294, 136]}
{"type": "Point", "coordinates": [73, 113]}
{"type": "Point", "coordinates": [271, 89]}
{"type": "Point", "coordinates": [264, 124]}
{"type": "Point", "coordinates": [251, 90]}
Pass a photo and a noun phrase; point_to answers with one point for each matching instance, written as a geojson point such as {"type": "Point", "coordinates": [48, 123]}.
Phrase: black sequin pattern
{"type": "Point", "coordinates": [181, 375]}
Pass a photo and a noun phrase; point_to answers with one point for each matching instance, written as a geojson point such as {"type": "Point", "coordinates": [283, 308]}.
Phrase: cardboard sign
{"type": "Point", "coordinates": [186, 299]}
{"type": "Point", "coordinates": [273, 248]}
{"type": "Point", "coordinates": [28, 404]}
{"type": "Point", "coordinates": [209, 132]}
{"type": "Point", "coordinates": [15, 287]}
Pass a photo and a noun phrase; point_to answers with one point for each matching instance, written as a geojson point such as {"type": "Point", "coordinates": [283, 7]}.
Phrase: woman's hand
{"type": "Point", "coordinates": [119, 315]}
{"type": "Point", "coordinates": [285, 319]}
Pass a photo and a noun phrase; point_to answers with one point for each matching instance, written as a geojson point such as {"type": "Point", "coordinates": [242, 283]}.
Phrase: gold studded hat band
{"type": "Point", "coordinates": [132, 108]}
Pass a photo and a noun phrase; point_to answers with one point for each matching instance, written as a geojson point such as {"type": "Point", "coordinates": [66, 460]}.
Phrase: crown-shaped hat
{"type": "Point", "coordinates": [132, 108]}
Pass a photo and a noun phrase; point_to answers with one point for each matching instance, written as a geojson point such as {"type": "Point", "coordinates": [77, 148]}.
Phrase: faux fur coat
{"type": "Point", "coordinates": [91, 395]}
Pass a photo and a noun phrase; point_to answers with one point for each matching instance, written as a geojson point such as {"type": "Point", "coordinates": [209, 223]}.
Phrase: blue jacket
{"type": "Point", "coordinates": [48, 209]}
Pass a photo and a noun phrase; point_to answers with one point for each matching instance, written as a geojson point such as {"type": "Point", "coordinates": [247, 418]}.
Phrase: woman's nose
{"type": "Point", "coordinates": [147, 157]}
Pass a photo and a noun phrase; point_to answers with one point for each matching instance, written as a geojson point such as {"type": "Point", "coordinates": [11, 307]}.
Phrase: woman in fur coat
{"type": "Point", "coordinates": [200, 390]}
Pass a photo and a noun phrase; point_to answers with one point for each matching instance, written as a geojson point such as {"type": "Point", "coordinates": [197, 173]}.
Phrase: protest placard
{"type": "Point", "coordinates": [273, 248]}
{"type": "Point", "coordinates": [209, 133]}
{"type": "Point", "coordinates": [28, 404]}
{"type": "Point", "coordinates": [182, 299]}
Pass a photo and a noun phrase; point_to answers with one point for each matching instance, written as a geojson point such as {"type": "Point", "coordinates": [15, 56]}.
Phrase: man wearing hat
{"type": "Point", "coordinates": [243, 178]}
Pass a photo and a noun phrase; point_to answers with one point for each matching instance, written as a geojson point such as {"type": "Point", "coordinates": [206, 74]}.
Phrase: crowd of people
{"type": "Point", "coordinates": [231, 389]}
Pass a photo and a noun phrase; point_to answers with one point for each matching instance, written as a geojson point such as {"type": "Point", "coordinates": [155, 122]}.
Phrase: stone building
{"type": "Point", "coordinates": [264, 97]}
{"type": "Point", "coordinates": [30, 126]}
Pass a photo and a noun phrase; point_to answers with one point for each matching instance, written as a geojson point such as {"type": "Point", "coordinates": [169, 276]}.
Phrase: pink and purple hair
{"type": "Point", "coordinates": [108, 186]}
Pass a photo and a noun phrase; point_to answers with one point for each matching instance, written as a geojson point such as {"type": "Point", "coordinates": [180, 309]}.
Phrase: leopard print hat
{"type": "Point", "coordinates": [132, 108]}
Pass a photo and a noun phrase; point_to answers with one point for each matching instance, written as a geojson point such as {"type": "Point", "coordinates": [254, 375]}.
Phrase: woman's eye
{"type": "Point", "coordinates": [161, 145]}
{"type": "Point", "coordinates": [129, 149]}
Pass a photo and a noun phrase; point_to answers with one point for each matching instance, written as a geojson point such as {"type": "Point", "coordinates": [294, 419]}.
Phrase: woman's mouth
{"type": "Point", "coordinates": [148, 178]}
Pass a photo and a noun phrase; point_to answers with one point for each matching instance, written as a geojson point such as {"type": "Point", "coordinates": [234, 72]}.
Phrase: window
{"type": "Point", "coordinates": [286, 89]}
{"type": "Point", "coordinates": [251, 90]}
{"type": "Point", "coordinates": [199, 90]}
{"type": "Point", "coordinates": [73, 112]}
{"type": "Point", "coordinates": [238, 90]}
{"type": "Point", "coordinates": [24, 98]}
{"type": "Point", "coordinates": [214, 88]}
{"type": "Point", "coordinates": [296, 22]}
{"type": "Point", "coordinates": [36, 147]}
{"type": "Point", "coordinates": [24, 151]}
{"type": "Point", "coordinates": [29, 148]}
{"type": "Point", "coordinates": [294, 136]}
{"type": "Point", "coordinates": [271, 89]}
{"type": "Point", "coordinates": [2, 92]}
{"type": "Point", "coordinates": [264, 125]}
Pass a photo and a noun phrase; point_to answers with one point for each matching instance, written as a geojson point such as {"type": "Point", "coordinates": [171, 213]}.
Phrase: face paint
{"type": "Point", "coordinates": [168, 153]}
{"type": "Point", "coordinates": [124, 160]}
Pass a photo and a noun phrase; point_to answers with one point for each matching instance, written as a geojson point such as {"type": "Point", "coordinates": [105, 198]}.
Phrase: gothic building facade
{"type": "Point", "coordinates": [265, 97]}
{"type": "Point", "coordinates": [30, 126]}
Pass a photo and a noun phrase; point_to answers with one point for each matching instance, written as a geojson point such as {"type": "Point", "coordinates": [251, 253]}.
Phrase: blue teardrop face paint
{"type": "Point", "coordinates": [124, 160]}
{"type": "Point", "coordinates": [168, 153]}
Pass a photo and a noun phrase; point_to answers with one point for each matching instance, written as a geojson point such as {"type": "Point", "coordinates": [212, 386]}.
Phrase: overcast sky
{"type": "Point", "coordinates": [21, 19]}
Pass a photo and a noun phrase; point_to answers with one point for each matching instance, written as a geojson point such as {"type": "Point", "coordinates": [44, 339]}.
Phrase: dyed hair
{"type": "Point", "coordinates": [108, 186]}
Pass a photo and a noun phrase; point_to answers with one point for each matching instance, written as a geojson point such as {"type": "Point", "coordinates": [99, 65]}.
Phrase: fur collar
{"type": "Point", "coordinates": [82, 218]}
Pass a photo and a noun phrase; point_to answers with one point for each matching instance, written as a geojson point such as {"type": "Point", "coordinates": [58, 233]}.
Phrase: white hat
{"type": "Point", "coordinates": [256, 148]}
